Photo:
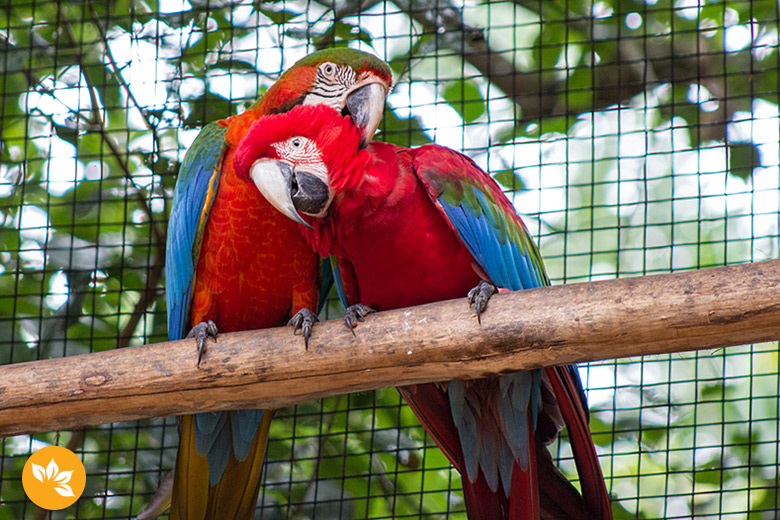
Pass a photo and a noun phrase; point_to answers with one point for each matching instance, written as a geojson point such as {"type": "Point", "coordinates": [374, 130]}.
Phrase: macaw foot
{"type": "Point", "coordinates": [479, 296]}
{"type": "Point", "coordinates": [303, 321]}
{"type": "Point", "coordinates": [201, 333]}
{"type": "Point", "coordinates": [356, 313]}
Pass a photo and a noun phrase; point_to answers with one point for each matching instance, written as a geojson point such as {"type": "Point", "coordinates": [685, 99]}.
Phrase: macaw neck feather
{"type": "Point", "coordinates": [288, 91]}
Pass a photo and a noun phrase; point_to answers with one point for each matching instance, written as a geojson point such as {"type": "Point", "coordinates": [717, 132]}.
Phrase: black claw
{"type": "Point", "coordinates": [303, 320]}
{"type": "Point", "coordinates": [356, 313]}
{"type": "Point", "coordinates": [201, 333]}
{"type": "Point", "coordinates": [479, 296]}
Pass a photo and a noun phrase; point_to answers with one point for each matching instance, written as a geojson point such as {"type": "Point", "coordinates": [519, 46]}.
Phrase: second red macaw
{"type": "Point", "coordinates": [412, 226]}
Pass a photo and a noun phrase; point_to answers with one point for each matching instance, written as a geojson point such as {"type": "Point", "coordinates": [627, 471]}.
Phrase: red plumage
{"type": "Point", "coordinates": [255, 270]}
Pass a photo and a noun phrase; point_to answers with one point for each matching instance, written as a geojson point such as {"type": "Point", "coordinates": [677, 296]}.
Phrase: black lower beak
{"type": "Point", "coordinates": [309, 194]}
{"type": "Point", "coordinates": [279, 183]}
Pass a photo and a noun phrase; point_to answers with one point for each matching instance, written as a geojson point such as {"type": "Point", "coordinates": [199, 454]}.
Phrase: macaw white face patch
{"type": "Point", "coordinates": [302, 152]}
{"type": "Point", "coordinates": [298, 150]}
{"type": "Point", "coordinates": [331, 86]}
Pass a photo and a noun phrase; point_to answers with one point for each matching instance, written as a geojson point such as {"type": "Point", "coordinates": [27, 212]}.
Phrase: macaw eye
{"type": "Point", "coordinates": [328, 69]}
{"type": "Point", "coordinates": [297, 143]}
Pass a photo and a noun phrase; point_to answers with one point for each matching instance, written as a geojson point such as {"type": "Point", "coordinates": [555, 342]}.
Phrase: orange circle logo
{"type": "Point", "coordinates": [54, 478]}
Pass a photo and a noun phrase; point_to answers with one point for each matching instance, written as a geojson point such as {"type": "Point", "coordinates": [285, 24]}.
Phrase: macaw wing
{"type": "Point", "coordinates": [484, 219]}
{"type": "Point", "coordinates": [486, 222]}
{"type": "Point", "coordinates": [220, 435]}
{"type": "Point", "coordinates": [192, 200]}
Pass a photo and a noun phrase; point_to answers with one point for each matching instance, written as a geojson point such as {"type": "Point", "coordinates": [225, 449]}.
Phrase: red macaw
{"type": "Point", "coordinates": [235, 263]}
{"type": "Point", "coordinates": [412, 226]}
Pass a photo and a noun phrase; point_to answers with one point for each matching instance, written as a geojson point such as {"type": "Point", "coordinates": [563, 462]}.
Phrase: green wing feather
{"type": "Point", "coordinates": [484, 219]}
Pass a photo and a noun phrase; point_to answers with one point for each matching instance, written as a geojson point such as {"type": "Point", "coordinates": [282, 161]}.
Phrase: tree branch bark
{"type": "Point", "coordinates": [527, 329]}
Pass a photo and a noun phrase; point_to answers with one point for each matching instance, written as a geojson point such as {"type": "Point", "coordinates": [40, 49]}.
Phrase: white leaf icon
{"type": "Point", "coordinates": [63, 477]}
{"type": "Point", "coordinates": [51, 470]}
{"type": "Point", "coordinates": [64, 490]}
{"type": "Point", "coordinates": [38, 471]}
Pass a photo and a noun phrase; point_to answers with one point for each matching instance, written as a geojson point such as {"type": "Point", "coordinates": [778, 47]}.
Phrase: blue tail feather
{"type": "Point", "coordinates": [244, 425]}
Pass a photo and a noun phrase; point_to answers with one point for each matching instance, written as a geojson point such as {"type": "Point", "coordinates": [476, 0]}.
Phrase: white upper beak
{"type": "Point", "coordinates": [273, 179]}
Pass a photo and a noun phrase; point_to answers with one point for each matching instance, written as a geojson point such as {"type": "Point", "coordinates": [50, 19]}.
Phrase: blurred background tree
{"type": "Point", "coordinates": [634, 136]}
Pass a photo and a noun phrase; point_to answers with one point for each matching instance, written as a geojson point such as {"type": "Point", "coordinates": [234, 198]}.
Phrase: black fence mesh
{"type": "Point", "coordinates": [635, 137]}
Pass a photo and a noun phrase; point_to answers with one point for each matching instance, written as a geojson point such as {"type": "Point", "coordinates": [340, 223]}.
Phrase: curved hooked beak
{"type": "Point", "coordinates": [291, 190]}
{"type": "Point", "coordinates": [365, 104]}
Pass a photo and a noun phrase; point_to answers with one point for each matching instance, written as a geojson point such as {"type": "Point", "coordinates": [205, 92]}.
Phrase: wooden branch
{"type": "Point", "coordinates": [527, 329]}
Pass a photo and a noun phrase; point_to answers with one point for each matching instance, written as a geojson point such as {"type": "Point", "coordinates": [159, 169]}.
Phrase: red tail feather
{"type": "Point", "coordinates": [430, 404]}
{"type": "Point", "coordinates": [481, 502]}
{"type": "Point", "coordinates": [558, 498]}
{"type": "Point", "coordinates": [594, 490]}
{"type": "Point", "coordinates": [524, 495]}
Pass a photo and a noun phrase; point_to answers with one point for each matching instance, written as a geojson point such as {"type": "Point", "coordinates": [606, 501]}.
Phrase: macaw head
{"type": "Point", "coordinates": [352, 82]}
{"type": "Point", "coordinates": [301, 159]}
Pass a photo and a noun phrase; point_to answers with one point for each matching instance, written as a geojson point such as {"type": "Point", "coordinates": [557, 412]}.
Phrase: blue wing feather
{"type": "Point", "coordinates": [244, 425]}
{"type": "Point", "coordinates": [207, 427]}
{"type": "Point", "coordinates": [508, 258]}
{"type": "Point", "coordinates": [337, 281]}
{"type": "Point", "coordinates": [192, 198]}
{"type": "Point", "coordinates": [485, 221]}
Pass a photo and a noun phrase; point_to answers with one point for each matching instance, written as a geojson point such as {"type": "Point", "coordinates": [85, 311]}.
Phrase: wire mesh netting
{"type": "Point", "coordinates": [635, 137]}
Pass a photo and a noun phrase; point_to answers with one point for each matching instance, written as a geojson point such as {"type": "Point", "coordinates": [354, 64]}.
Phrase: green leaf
{"type": "Point", "coordinates": [710, 476]}
{"type": "Point", "coordinates": [509, 179]}
{"type": "Point", "coordinates": [342, 33]}
{"type": "Point", "coordinates": [743, 159]}
{"type": "Point", "coordinates": [66, 133]}
{"type": "Point", "coordinates": [278, 16]}
{"type": "Point", "coordinates": [235, 66]}
{"type": "Point", "coordinates": [207, 108]}
{"type": "Point", "coordinates": [403, 132]}
{"type": "Point", "coordinates": [465, 97]}
{"type": "Point", "coordinates": [712, 391]}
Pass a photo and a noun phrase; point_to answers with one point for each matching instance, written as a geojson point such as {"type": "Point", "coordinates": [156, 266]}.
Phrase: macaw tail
{"type": "Point", "coordinates": [538, 489]}
{"type": "Point", "coordinates": [542, 493]}
{"type": "Point", "coordinates": [567, 389]}
{"type": "Point", "coordinates": [523, 501]}
{"type": "Point", "coordinates": [234, 496]}
{"type": "Point", "coordinates": [481, 502]}
{"type": "Point", "coordinates": [432, 406]}
{"type": "Point", "coordinates": [558, 498]}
